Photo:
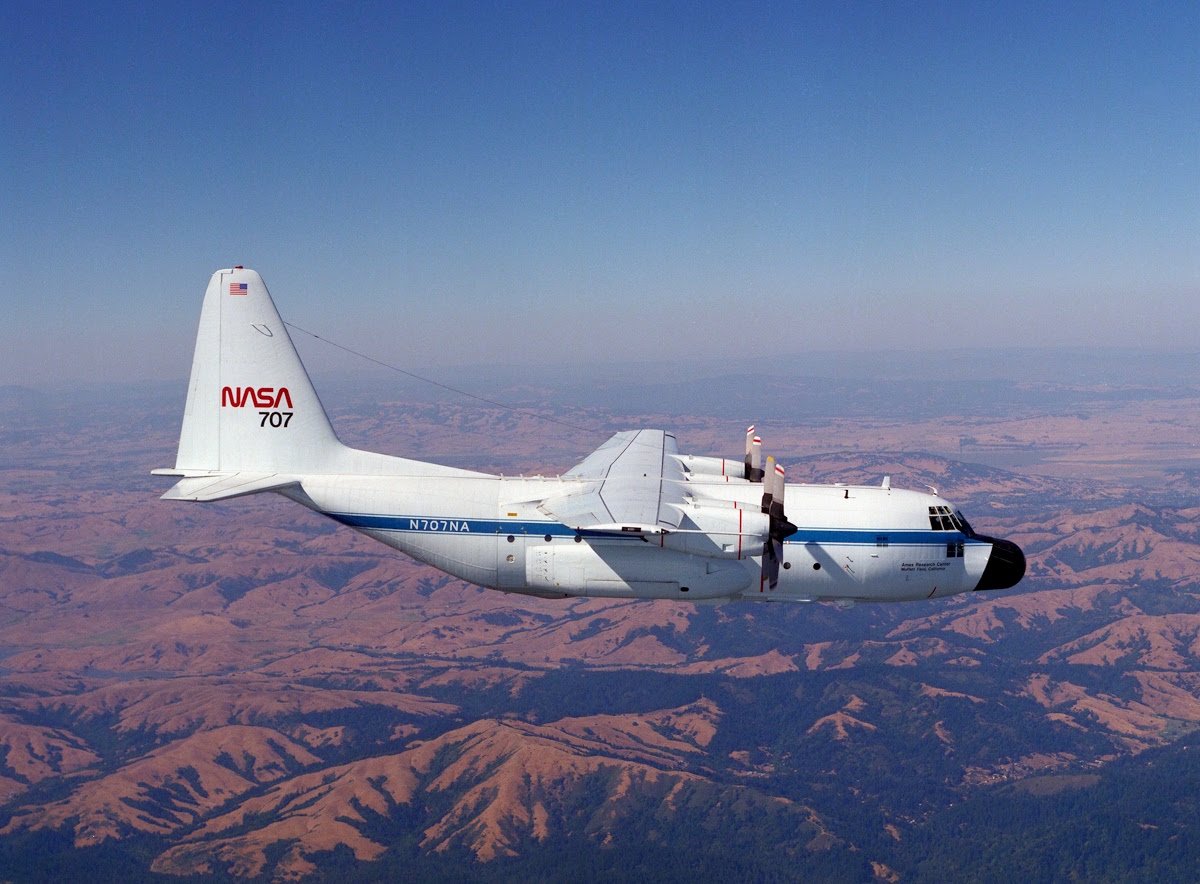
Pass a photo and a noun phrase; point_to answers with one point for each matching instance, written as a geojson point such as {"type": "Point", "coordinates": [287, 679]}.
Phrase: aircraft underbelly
{"type": "Point", "coordinates": [633, 570]}
{"type": "Point", "coordinates": [471, 558]}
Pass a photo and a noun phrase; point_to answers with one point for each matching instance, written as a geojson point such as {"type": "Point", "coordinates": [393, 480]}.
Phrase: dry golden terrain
{"type": "Point", "coordinates": [242, 688]}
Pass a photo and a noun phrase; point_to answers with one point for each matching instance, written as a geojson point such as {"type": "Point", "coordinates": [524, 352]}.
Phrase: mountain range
{"type": "Point", "coordinates": [245, 691]}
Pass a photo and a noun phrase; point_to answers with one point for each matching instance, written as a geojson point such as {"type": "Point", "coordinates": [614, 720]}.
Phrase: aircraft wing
{"type": "Point", "coordinates": [632, 480]}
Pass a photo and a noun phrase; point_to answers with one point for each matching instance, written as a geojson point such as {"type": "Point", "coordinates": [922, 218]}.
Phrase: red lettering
{"type": "Point", "coordinates": [259, 397]}
{"type": "Point", "coordinates": [235, 396]}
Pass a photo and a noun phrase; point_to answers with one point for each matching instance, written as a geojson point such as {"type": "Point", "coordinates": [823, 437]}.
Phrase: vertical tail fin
{"type": "Point", "coordinates": [251, 406]}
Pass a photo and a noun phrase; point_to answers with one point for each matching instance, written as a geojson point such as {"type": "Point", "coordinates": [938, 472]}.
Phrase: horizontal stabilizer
{"type": "Point", "coordinates": [222, 486]}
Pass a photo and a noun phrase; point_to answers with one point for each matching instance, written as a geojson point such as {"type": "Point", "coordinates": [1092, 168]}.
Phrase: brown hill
{"type": "Point", "coordinates": [507, 780]}
{"type": "Point", "coordinates": [839, 724]}
{"type": "Point", "coordinates": [1152, 642]}
{"type": "Point", "coordinates": [182, 705]}
{"type": "Point", "coordinates": [992, 618]}
{"type": "Point", "coordinates": [33, 752]}
{"type": "Point", "coordinates": [169, 788]}
{"type": "Point", "coordinates": [1119, 545]}
{"type": "Point", "coordinates": [1136, 724]}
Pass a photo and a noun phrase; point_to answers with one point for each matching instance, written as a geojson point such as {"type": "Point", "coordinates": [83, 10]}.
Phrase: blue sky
{"type": "Point", "coordinates": [445, 183]}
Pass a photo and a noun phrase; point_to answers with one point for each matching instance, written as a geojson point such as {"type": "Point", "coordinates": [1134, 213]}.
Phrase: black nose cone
{"type": "Point", "coordinates": [1005, 566]}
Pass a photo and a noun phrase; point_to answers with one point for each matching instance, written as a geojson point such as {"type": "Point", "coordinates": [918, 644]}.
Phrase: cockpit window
{"type": "Point", "coordinates": [941, 518]}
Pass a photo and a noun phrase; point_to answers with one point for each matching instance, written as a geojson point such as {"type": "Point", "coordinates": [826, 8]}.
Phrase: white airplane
{"type": "Point", "coordinates": [635, 519]}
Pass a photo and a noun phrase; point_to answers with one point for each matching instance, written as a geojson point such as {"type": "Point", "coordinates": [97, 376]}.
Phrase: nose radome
{"type": "Point", "coordinates": [1005, 566]}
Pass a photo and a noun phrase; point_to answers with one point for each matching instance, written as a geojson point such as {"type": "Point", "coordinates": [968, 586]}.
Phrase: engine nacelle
{"type": "Point", "coordinates": [727, 532]}
{"type": "Point", "coordinates": [725, 467]}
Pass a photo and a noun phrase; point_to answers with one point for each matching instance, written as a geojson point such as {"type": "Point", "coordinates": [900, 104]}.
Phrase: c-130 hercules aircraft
{"type": "Point", "coordinates": [634, 519]}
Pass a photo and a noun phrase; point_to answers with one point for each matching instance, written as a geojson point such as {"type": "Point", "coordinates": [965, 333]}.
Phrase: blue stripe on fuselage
{"type": "Point", "coordinates": [440, 525]}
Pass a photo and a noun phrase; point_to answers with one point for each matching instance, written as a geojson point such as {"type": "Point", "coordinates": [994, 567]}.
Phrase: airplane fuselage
{"type": "Point", "coordinates": [854, 543]}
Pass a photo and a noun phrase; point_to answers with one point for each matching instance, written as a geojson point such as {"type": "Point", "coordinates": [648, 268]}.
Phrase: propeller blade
{"type": "Point", "coordinates": [781, 528]}
{"type": "Point", "coordinates": [774, 485]}
{"type": "Point", "coordinates": [768, 483]}
{"type": "Point", "coordinates": [753, 472]}
{"type": "Point", "coordinates": [770, 567]}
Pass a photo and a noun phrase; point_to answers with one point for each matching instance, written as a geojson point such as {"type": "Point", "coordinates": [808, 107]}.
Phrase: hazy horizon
{"type": "Point", "coordinates": [620, 182]}
{"type": "Point", "coordinates": [1143, 366]}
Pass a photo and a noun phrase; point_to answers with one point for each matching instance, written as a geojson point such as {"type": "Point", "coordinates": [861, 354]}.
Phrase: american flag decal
{"type": "Point", "coordinates": [237, 288]}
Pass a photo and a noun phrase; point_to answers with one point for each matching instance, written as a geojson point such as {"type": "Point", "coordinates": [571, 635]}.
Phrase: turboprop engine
{"type": "Point", "coordinates": [730, 531]}
{"type": "Point", "coordinates": [749, 469]}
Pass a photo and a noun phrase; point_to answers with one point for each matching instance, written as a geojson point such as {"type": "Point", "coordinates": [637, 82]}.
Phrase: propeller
{"type": "Point", "coordinates": [780, 528]}
{"type": "Point", "coordinates": [754, 471]}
